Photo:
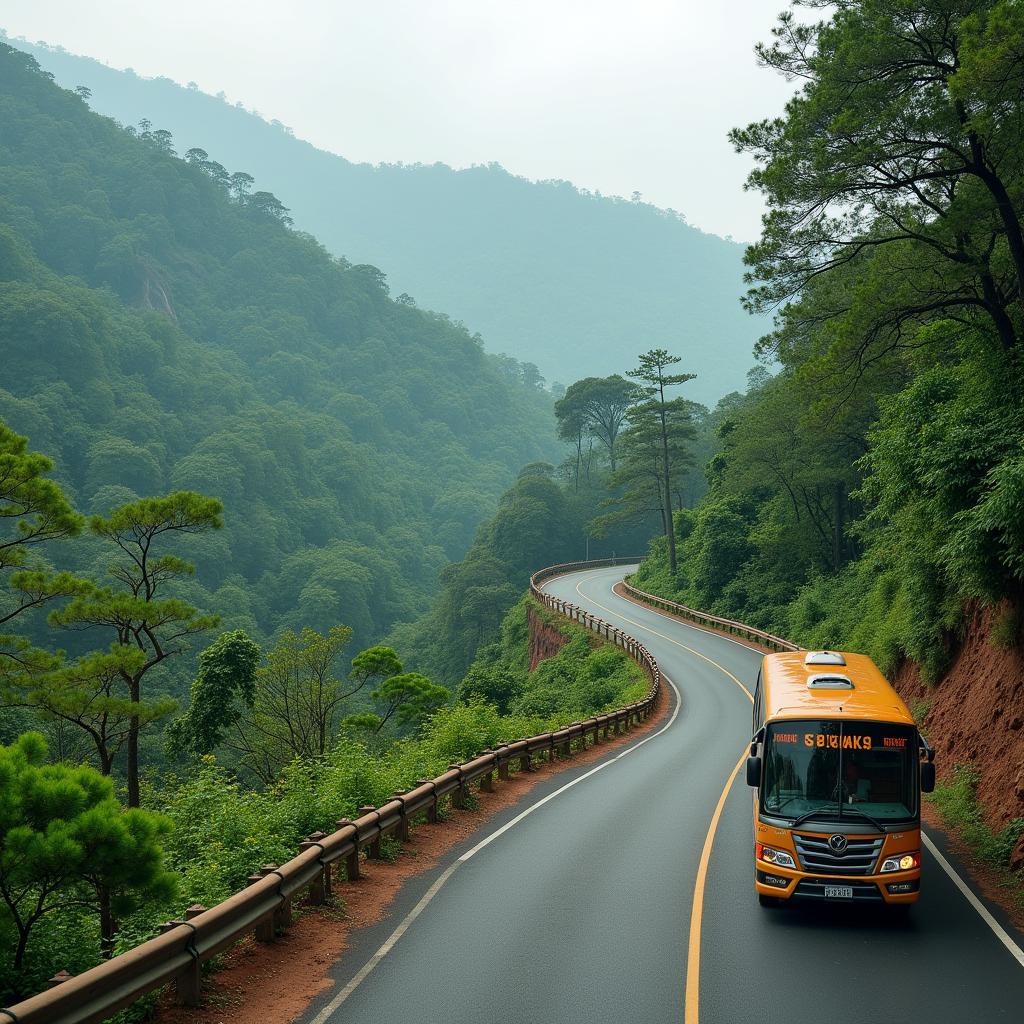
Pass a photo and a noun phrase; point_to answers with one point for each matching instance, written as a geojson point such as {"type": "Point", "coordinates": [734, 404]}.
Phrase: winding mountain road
{"type": "Point", "coordinates": [622, 891]}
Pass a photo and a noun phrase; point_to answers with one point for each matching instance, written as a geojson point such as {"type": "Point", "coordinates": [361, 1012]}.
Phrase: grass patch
{"type": "Point", "coordinates": [1007, 627]}
{"type": "Point", "coordinates": [390, 849]}
{"type": "Point", "coordinates": [957, 803]}
{"type": "Point", "coordinates": [919, 708]}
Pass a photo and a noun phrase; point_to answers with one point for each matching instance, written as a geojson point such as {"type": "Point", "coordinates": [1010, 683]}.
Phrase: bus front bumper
{"type": "Point", "coordinates": [896, 887]}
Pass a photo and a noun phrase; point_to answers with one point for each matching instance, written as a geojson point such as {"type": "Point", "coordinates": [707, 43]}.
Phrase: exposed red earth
{"type": "Point", "coordinates": [546, 639]}
{"type": "Point", "coordinates": [976, 713]}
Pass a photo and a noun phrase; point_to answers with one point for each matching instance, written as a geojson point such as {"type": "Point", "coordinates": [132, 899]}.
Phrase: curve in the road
{"type": "Point", "coordinates": [581, 905]}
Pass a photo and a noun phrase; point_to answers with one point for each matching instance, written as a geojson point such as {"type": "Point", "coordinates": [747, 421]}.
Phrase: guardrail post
{"type": "Point", "coordinates": [502, 762]}
{"type": "Point", "coordinates": [403, 823]}
{"type": "Point", "coordinates": [525, 763]}
{"type": "Point", "coordinates": [487, 779]}
{"type": "Point", "coordinates": [351, 859]}
{"type": "Point", "coordinates": [459, 795]}
{"type": "Point", "coordinates": [58, 979]}
{"type": "Point", "coordinates": [432, 809]}
{"type": "Point", "coordinates": [282, 916]}
{"type": "Point", "coordinates": [621, 725]}
{"type": "Point", "coordinates": [373, 846]}
{"type": "Point", "coordinates": [187, 984]}
{"type": "Point", "coordinates": [265, 926]}
{"type": "Point", "coordinates": [320, 887]}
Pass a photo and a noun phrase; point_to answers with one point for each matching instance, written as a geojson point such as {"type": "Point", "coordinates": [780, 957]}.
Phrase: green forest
{"type": "Point", "coordinates": [554, 275]}
{"type": "Point", "coordinates": [265, 530]}
{"type": "Point", "coordinates": [230, 464]}
{"type": "Point", "coordinates": [163, 328]}
{"type": "Point", "coordinates": [873, 489]}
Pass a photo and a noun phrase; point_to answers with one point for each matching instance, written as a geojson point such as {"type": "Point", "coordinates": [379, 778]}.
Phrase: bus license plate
{"type": "Point", "coordinates": [839, 892]}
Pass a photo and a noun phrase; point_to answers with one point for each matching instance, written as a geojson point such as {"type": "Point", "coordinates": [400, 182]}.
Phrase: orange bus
{"type": "Point", "coordinates": [838, 769]}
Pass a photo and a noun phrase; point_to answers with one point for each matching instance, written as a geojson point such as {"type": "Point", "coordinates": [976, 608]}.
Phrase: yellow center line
{"type": "Point", "coordinates": [692, 1002]}
{"type": "Point", "coordinates": [654, 632]}
{"type": "Point", "coordinates": [697, 909]}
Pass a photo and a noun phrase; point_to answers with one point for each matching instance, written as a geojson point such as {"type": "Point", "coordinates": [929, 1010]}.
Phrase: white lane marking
{"type": "Point", "coordinates": [325, 1014]}
{"type": "Point", "coordinates": [593, 771]}
{"type": "Point", "coordinates": [997, 929]}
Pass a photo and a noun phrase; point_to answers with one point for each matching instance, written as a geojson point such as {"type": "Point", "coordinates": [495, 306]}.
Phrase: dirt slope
{"type": "Point", "coordinates": [976, 714]}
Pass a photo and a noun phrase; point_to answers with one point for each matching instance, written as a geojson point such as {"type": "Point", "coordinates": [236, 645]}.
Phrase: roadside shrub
{"type": "Point", "coordinates": [957, 801]}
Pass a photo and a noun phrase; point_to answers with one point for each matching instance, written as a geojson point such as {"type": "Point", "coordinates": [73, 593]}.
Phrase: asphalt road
{"type": "Point", "coordinates": [584, 910]}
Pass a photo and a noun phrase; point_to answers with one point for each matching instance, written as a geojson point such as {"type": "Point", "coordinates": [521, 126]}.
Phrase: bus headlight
{"type": "Point", "coordinates": [902, 862]}
{"type": "Point", "coordinates": [778, 857]}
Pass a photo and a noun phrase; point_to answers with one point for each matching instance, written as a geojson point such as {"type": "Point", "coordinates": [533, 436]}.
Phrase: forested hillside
{"type": "Point", "coordinates": [163, 328]}
{"type": "Point", "coordinates": [548, 273]}
{"type": "Point", "coordinates": [540, 521]}
{"type": "Point", "coordinates": [871, 494]}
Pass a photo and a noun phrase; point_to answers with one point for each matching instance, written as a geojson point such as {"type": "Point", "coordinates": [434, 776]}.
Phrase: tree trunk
{"type": "Point", "coordinates": [132, 766]}
{"type": "Point", "coordinates": [19, 953]}
{"type": "Point", "coordinates": [1011, 222]}
{"type": "Point", "coordinates": [838, 519]}
{"type": "Point", "coordinates": [108, 926]}
{"type": "Point", "coordinates": [1004, 325]}
{"type": "Point", "coordinates": [670, 531]}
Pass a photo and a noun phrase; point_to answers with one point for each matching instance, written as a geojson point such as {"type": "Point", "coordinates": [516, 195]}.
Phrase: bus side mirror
{"type": "Point", "coordinates": [754, 771]}
{"type": "Point", "coordinates": [927, 777]}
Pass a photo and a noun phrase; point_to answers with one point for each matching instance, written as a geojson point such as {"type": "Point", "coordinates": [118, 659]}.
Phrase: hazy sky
{"type": "Point", "coordinates": [613, 96]}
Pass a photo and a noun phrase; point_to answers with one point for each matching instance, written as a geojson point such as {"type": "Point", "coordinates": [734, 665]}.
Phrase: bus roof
{"type": "Point", "coordinates": [785, 678]}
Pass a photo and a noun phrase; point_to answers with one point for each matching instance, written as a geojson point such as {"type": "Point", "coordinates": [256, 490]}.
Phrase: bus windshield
{"type": "Point", "coordinates": [829, 767]}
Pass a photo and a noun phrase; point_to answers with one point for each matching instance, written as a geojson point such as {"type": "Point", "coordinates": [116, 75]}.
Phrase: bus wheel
{"type": "Point", "coordinates": [768, 901]}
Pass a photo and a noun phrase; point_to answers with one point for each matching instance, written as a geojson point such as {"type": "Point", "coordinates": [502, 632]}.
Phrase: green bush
{"type": "Point", "coordinates": [957, 801]}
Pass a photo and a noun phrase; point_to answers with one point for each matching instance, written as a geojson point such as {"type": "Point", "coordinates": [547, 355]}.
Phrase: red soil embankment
{"type": "Point", "coordinates": [976, 714]}
{"type": "Point", "coordinates": [546, 640]}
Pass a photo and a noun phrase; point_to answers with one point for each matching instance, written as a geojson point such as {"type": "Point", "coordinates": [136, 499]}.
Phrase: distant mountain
{"type": "Point", "coordinates": [162, 330]}
{"type": "Point", "coordinates": [574, 282]}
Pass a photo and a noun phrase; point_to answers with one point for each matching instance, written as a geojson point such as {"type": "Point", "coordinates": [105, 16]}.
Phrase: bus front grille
{"type": "Point", "coordinates": [858, 858]}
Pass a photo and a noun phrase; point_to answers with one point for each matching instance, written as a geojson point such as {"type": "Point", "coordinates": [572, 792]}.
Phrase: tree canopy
{"type": "Point", "coordinates": [867, 492]}
{"type": "Point", "coordinates": [164, 330]}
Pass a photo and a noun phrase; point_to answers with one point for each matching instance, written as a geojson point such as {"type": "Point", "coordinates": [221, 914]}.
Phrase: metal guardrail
{"type": "Point", "coordinates": [264, 907]}
{"type": "Point", "coordinates": [713, 621]}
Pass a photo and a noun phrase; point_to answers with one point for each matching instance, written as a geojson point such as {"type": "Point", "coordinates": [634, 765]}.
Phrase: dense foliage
{"type": "Point", "coordinates": [68, 846]}
{"type": "Point", "coordinates": [547, 272]}
{"type": "Point", "coordinates": [543, 519]}
{"type": "Point", "coordinates": [874, 486]}
{"type": "Point", "coordinates": [163, 329]}
{"type": "Point", "coordinates": [244, 431]}
{"type": "Point", "coordinates": [216, 831]}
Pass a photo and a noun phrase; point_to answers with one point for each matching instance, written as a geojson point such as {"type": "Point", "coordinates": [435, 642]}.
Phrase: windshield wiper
{"type": "Point", "coordinates": [812, 812]}
{"type": "Point", "coordinates": [849, 809]}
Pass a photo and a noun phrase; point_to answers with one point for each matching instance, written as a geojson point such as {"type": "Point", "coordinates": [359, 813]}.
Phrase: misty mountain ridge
{"type": "Point", "coordinates": [160, 331]}
{"type": "Point", "coordinates": [548, 273]}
